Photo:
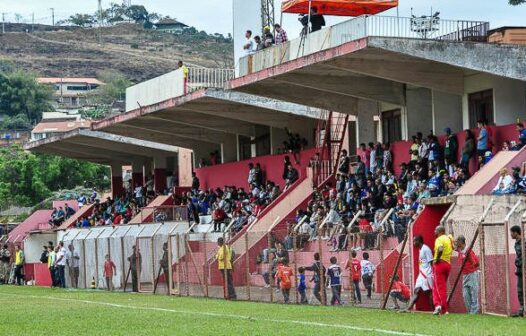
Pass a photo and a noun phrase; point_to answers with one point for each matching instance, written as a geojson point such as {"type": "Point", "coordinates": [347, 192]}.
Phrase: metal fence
{"type": "Point", "coordinates": [199, 78]}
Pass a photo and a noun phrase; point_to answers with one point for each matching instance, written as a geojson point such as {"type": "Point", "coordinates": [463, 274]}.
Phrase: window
{"type": "Point", "coordinates": [480, 107]}
{"type": "Point", "coordinates": [77, 88]}
{"type": "Point", "coordinates": [392, 125]}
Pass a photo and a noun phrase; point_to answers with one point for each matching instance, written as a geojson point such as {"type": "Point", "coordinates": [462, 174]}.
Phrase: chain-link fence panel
{"type": "Point", "coordinates": [78, 245]}
{"type": "Point", "coordinates": [103, 250]}
{"type": "Point", "coordinates": [132, 258]}
{"type": "Point", "coordinates": [116, 251]}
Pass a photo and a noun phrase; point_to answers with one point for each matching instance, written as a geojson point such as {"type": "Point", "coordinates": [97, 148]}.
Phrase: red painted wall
{"type": "Point", "coordinates": [236, 173]}
{"type": "Point", "coordinates": [425, 226]}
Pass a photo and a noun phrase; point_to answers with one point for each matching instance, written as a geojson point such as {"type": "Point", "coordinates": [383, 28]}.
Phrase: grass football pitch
{"type": "Point", "coordinates": [43, 311]}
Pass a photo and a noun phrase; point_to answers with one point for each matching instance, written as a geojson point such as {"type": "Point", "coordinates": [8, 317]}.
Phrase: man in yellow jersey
{"type": "Point", "coordinates": [225, 256]}
{"type": "Point", "coordinates": [441, 269]}
{"type": "Point", "coordinates": [19, 265]}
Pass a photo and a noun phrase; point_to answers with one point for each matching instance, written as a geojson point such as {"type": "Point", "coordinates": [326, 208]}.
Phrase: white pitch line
{"type": "Point", "coordinates": [222, 315]}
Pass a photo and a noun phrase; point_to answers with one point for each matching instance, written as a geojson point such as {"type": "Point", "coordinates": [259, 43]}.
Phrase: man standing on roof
{"type": "Point", "coordinates": [317, 21]}
{"type": "Point", "coordinates": [225, 257]}
{"type": "Point", "coordinates": [281, 34]}
{"type": "Point", "coordinates": [441, 269]}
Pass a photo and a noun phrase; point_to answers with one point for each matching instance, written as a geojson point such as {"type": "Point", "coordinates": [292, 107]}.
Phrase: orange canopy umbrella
{"type": "Point", "coordinates": [338, 7]}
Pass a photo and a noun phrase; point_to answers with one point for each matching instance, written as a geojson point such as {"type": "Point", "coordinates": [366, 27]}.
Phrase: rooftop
{"type": "Point", "coordinates": [60, 126]}
{"type": "Point", "coordinates": [68, 80]}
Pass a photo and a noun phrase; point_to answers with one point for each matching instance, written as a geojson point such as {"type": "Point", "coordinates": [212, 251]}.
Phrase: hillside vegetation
{"type": "Point", "coordinates": [136, 52]}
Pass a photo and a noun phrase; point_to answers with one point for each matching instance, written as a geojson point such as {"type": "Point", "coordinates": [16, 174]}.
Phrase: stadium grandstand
{"type": "Point", "coordinates": [333, 151]}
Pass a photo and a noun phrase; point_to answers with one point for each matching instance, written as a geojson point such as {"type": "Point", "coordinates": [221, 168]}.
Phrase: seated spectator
{"type": "Point", "coordinates": [292, 176]}
{"type": "Point", "coordinates": [505, 184]}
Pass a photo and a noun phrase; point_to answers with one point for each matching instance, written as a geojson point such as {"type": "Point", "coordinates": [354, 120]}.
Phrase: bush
{"type": "Point", "coordinates": [134, 46]}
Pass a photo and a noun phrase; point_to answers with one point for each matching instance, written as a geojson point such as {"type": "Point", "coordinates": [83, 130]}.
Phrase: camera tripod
{"type": "Point", "coordinates": [303, 36]}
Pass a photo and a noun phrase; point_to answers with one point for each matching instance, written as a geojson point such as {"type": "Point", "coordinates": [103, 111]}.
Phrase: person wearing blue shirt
{"type": "Point", "coordinates": [334, 279]}
{"type": "Point", "coordinates": [482, 140]}
{"type": "Point", "coordinates": [522, 134]}
{"type": "Point", "coordinates": [302, 286]}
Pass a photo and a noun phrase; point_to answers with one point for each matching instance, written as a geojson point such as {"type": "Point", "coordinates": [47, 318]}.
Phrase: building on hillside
{"type": "Point", "coordinates": [71, 94]}
{"type": "Point", "coordinates": [170, 26]}
{"type": "Point", "coordinates": [48, 128]}
{"type": "Point", "coordinates": [59, 116]}
{"type": "Point", "coordinates": [11, 137]}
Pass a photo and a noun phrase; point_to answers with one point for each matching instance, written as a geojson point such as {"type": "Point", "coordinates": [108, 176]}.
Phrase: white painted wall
{"type": "Point", "coordinates": [509, 97]}
{"type": "Point", "coordinates": [33, 245]}
{"type": "Point", "coordinates": [155, 90]}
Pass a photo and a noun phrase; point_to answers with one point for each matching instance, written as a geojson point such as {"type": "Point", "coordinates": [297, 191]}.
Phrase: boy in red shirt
{"type": "Point", "coordinates": [399, 292]}
{"type": "Point", "coordinates": [470, 278]}
{"type": "Point", "coordinates": [355, 268]}
{"type": "Point", "coordinates": [109, 271]}
{"type": "Point", "coordinates": [365, 230]}
{"type": "Point", "coordinates": [284, 275]}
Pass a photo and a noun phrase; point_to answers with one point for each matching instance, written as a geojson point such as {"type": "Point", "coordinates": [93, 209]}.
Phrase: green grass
{"type": "Point", "coordinates": [42, 311]}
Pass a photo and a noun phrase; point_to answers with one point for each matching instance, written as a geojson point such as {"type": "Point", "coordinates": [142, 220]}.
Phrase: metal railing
{"type": "Point", "coordinates": [199, 78]}
{"type": "Point", "coordinates": [426, 28]}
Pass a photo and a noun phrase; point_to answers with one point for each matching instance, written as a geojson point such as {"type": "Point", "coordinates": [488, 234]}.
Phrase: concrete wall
{"type": "Point", "coordinates": [185, 167]}
{"type": "Point", "coordinates": [155, 90]}
{"type": "Point", "coordinates": [447, 112]}
{"type": "Point", "coordinates": [419, 110]}
{"type": "Point", "coordinates": [509, 97]}
{"type": "Point", "coordinates": [365, 123]}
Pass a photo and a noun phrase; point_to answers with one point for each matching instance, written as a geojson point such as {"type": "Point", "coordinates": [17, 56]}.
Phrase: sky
{"type": "Point", "coordinates": [215, 16]}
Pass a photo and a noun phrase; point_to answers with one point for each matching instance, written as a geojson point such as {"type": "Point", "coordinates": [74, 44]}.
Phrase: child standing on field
{"type": "Point", "coordinates": [334, 280]}
{"type": "Point", "coordinates": [109, 271]}
{"type": "Point", "coordinates": [302, 286]}
{"type": "Point", "coordinates": [355, 268]}
{"type": "Point", "coordinates": [284, 275]}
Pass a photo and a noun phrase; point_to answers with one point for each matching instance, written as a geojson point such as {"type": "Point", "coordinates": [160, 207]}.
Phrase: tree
{"type": "Point", "coordinates": [114, 88]}
{"type": "Point", "coordinates": [137, 13]}
{"type": "Point", "coordinates": [517, 2]}
{"type": "Point", "coordinates": [82, 20]}
{"type": "Point", "coordinates": [20, 93]}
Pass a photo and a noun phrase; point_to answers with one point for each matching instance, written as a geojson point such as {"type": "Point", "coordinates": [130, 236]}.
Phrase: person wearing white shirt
{"type": "Point", "coordinates": [60, 265]}
{"type": "Point", "coordinates": [73, 262]}
{"type": "Point", "coordinates": [505, 182]}
{"type": "Point", "coordinates": [249, 44]}
{"type": "Point", "coordinates": [367, 273]}
{"type": "Point", "coordinates": [424, 281]}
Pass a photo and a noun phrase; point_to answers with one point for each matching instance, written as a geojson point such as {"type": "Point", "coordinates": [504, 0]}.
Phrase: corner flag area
{"type": "Point", "coordinates": [40, 311]}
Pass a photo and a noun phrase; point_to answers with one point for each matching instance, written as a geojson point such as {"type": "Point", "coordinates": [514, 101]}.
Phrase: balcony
{"type": "Point", "coordinates": [426, 28]}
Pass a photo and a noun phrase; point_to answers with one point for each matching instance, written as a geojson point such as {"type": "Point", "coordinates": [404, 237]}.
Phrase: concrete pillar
{"type": "Point", "coordinates": [159, 173]}
{"type": "Point", "coordinates": [365, 124]}
{"type": "Point", "coordinates": [185, 167]}
{"type": "Point", "coordinates": [137, 174]}
{"type": "Point", "coordinates": [447, 112]}
{"type": "Point", "coordinates": [117, 188]}
{"type": "Point", "coordinates": [419, 110]}
{"type": "Point", "coordinates": [229, 149]}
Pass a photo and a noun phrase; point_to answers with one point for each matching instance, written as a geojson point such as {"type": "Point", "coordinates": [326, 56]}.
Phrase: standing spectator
{"type": "Point", "coordinates": [44, 255]}
{"type": "Point", "coordinates": [225, 257]}
{"type": "Point", "coordinates": [302, 286]}
{"type": "Point", "coordinates": [470, 279]}
{"type": "Point", "coordinates": [424, 280]}
{"type": "Point", "coordinates": [286, 163]}
{"type": "Point", "coordinates": [334, 281]}
{"type": "Point", "coordinates": [450, 150]}
{"type": "Point", "coordinates": [482, 139]}
{"type": "Point", "coordinates": [251, 174]}
{"type": "Point", "coordinates": [19, 265]}
{"type": "Point", "coordinates": [355, 268]}
{"type": "Point", "coordinates": [343, 165]}
{"type": "Point", "coordinates": [109, 271]}
{"type": "Point", "coordinates": [281, 34]}
{"type": "Point", "coordinates": [441, 269]}
{"type": "Point", "coordinates": [60, 265]}
{"type": "Point", "coordinates": [139, 196]}
{"type": "Point", "coordinates": [365, 155]}
{"type": "Point", "coordinates": [249, 44]}
{"type": "Point", "coordinates": [318, 269]}
{"type": "Point", "coordinates": [413, 151]}
{"type": "Point", "coordinates": [372, 158]}
{"type": "Point", "coordinates": [51, 265]}
{"type": "Point", "coordinates": [467, 151]}
{"type": "Point", "coordinates": [317, 21]}
{"type": "Point", "coordinates": [183, 67]}
{"type": "Point", "coordinates": [195, 182]}
{"type": "Point", "coordinates": [268, 37]}
{"type": "Point", "coordinates": [367, 273]}
{"type": "Point", "coordinates": [5, 264]}
{"type": "Point", "coordinates": [284, 275]}
{"type": "Point", "coordinates": [259, 44]}
{"type": "Point", "coordinates": [73, 262]}
{"type": "Point", "coordinates": [399, 292]}
{"type": "Point", "coordinates": [135, 267]}
{"type": "Point", "coordinates": [387, 157]}
{"type": "Point", "coordinates": [516, 234]}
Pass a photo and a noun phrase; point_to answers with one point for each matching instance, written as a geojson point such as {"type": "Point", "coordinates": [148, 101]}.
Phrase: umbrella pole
{"type": "Point", "coordinates": [308, 21]}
